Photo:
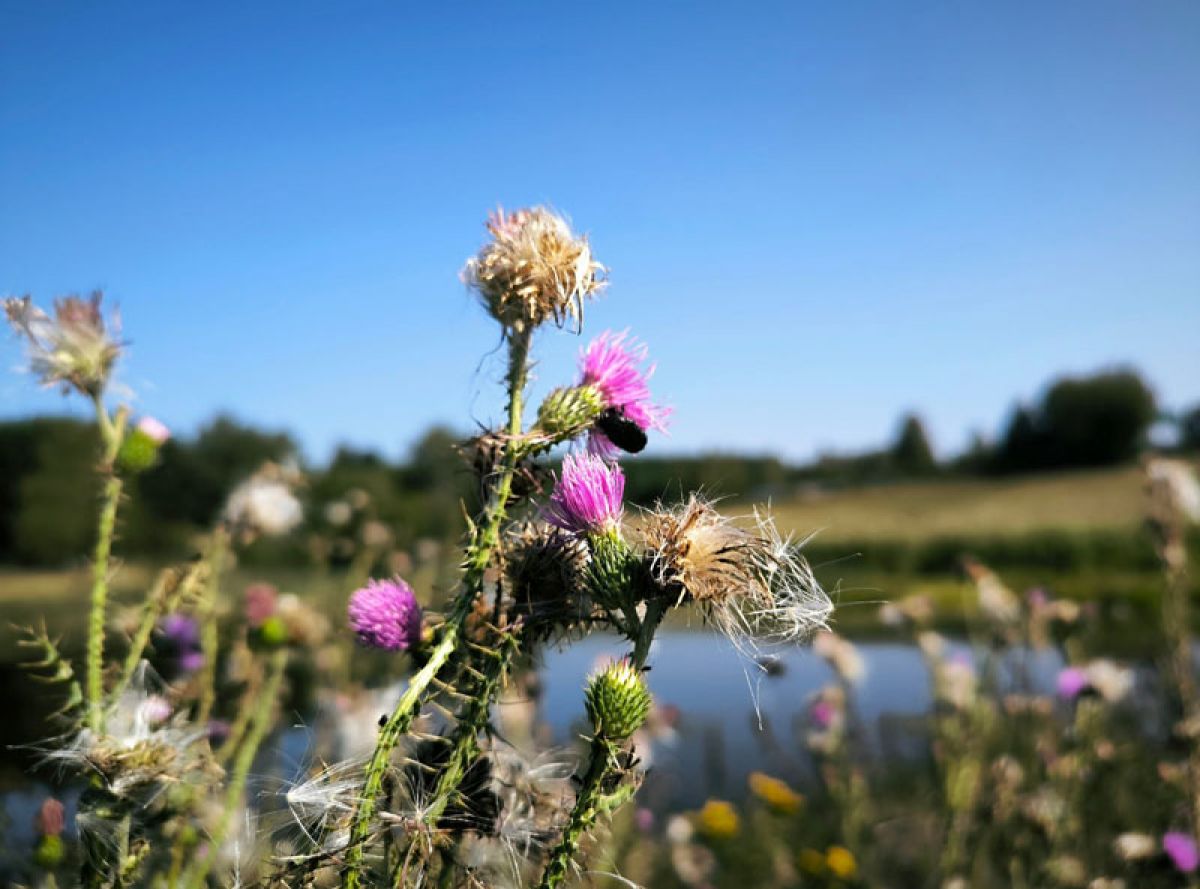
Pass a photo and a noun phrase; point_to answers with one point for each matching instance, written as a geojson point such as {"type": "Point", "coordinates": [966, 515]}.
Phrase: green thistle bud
{"type": "Point", "coordinates": [612, 573]}
{"type": "Point", "coordinates": [569, 411]}
{"type": "Point", "coordinates": [617, 701]}
{"type": "Point", "coordinates": [273, 632]}
{"type": "Point", "coordinates": [139, 450]}
{"type": "Point", "coordinates": [49, 852]}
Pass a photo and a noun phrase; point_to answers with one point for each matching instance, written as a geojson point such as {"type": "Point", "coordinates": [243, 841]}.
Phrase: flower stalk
{"type": "Point", "coordinates": [484, 539]}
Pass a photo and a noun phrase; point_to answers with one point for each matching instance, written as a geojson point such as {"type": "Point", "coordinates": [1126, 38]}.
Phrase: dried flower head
{"type": "Point", "coordinates": [544, 577]}
{"type": "Point", "coordinates": [612, 366]}
{"type": "Point", "coordinates": [588, 496]}
{"type": "Point", "coordinates": [385, 614]}
{"type": "Point", "coordinates": [265, 503]}
{"type": "Point", "coordinates": [73, 349]}
{"type": "Point", "coordinates": [752, 580]}
{"type": "Point", "coordinates": [535, 269]}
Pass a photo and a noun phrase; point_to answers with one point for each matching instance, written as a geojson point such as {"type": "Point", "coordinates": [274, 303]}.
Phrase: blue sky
{"type": "Point", "coordinates": [818, 215]}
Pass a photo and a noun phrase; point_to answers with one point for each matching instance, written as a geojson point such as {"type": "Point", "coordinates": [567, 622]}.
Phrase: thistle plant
{"type": "Point", "coordinates": [532, 573]}
{"type": "Point", "coordinates": [441, 797]}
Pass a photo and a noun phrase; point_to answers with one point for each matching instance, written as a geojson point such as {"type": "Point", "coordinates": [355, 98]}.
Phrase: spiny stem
{"type": "Point", "coordinates": [478, 557]}
{"type": "Point", "coordinates": [471, 721]}
{"type": "Point", "coordinates": [241, 766]}
{"type": "Point", "coordinates": [583, 815]}
{"type": "Point", "coordinates": [206, 612]}
{"type": "Point", "coordinates": [165, 592]}
{"type": "Point", "coordinates": [99, 610]}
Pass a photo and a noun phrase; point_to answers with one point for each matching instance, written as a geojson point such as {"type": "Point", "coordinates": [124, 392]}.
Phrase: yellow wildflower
{"type": "Point", "coordinates": [718, 820]}
{"type": "Point", "coordinates": [840, 862]}
{"type": "Point", "coordinates": [775, 793]}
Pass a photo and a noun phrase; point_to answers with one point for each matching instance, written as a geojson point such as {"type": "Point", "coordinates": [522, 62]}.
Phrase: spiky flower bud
{"type": "Point", "coordinates": [569, 411]}
{"type": "Point", "coordinates": [139, 450]}
{"type": "Point", "coordinates": [613, 572]}
{"type": "Point", "coordinates": [617, 701]}
{"type": "Point", "coordinates": [49, 852]}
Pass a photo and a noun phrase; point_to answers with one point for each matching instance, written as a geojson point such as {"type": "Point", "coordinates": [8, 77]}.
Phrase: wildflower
{"type": "Point", "coordinates": [1182, 851]}
{"type": "Point", "coordinates": [955, 682]}
{"type": "Point", "coordinates": [617, 700]}
{"type": "Point", "coordinates": [73, 348]}
{"type": "Point", "coordinates": [1174, 482]}
{"type": "Point", "coordinates": [1072, 681]}
{"type": "Point", "coordinates": [751, 582]}
{"type": "Point", "coordinates": [265, 503]}
{"type": "Point", "coordinates": [775, 793]}
{"type": "Point", "coordinates": [827, 713]}
{"type": "Point", "coordinates": [841, 862]}
{"type": "Point", "coordinates": [841, 654]}
{"type": "Point", "coordinates": [587, 498]}
{"type": "Point", "coordinates": [997, 602]}
{"type": "Point", "coordinates": [183, 634]}
{"type": "Point", "coordinates": [1134, 846]}
{"type": "Point", "coordinates": [610, 365]}
{"type": "Point", "coordinates": [261, 600]}
{"type": "Point", "coordinates": [718, 820]}
{"type": "Point", "coordinates": [338, 513]}
{"type": "Point", "coordinates": [644, 819]}
{"type": "Point", "coordinates": [1110, 681]}
{"type": "Point", "coordinates": [385, 614]}
{"type": "Point", "coordinates": [140, 447]}
{"type": "Point", "coordinates": [535, 269]}
{"type": "Point", "coordinates": [48, 824]}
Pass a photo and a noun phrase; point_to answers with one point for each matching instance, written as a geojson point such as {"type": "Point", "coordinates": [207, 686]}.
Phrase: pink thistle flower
{"type": "Point", "coordinates": [611, 364]}
{"type": "Point", "coordinates": [385, 614]}
{"type": "Point", "coordinates": [153, 429]}
{"type": "Point", "coordinates": [823, 713]}
{"type": "Point", "coordinates": [261, 602]}
{"type": "Point", "coordinates": [50, 818]}
{"type": "Point", "coordinates": [587, 498]}
{"type": "Point", "coordinates": [1182, 851]}
{"type": "Point", "coordinates": [1071, 682]}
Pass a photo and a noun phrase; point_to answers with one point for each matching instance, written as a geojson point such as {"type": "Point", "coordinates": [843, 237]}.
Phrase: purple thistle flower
{"type": "Point", "coordinates": [823, 713]}
{"type": "Point", "coordinates": [261, 601]}
{"type": "Point", "coordinates": [181, 629]}
{"type": "Point", "coordinates": [1181, 849]}
{"type": "Point", "coordinates": [611, 364]}
{"type": "Point", "coordinates": [385, 614]}
{"type": "Point", "coordinates": [588, 495]}
{"type": "Point", "coordinates": [1071, 682]}
{"type": "Point", "coordinates": [190, 661]}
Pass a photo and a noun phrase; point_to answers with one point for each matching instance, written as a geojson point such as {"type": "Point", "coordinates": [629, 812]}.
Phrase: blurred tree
{"type": "Point", "coordinates": [1097, 420]}
{"type": "Point", "coordinates": [57, 498]}
{"type": "Point", "coordinates": [193, 479]}
{"type": "Point", "coordinates": [911, 453]}
{"type": "Point", "coordinates": [1189, 429]}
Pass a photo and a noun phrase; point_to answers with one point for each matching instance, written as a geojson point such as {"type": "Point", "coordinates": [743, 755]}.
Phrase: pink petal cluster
{"type": "Point", "coordinates": [1071, 682]}
{"type": "Point", "coordinates": [1182, 851]}
{"type": "Point", "coordinates": [588, 495]}
{"type": "Point", "coordinates": [384, 614]}
{"type": "Point", "coordinates": [612, 363]}
{"type": "Point", "coordinates": [153, 429]}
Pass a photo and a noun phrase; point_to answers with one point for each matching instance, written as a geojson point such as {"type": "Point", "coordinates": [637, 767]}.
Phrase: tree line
{"type": "Point", "coordinates": [48, 495]}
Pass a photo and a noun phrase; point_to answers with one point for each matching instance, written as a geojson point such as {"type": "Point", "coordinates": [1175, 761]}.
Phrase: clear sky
{"type": "Point", "coordinates": [817, 214]}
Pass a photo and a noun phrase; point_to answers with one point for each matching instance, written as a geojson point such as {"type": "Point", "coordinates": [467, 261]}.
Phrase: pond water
{"type": "Point", "coordinates": [732, 717]}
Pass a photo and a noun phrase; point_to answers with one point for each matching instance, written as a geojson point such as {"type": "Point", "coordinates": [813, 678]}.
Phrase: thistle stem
{"type": "Point", "coordinates": [241, 766]}
{"type": "Point", "coordinates": [583, 815]}
{"type": "Point", "coordinates": [99, 610]}
{"type": "Point", "coordinates": [471, 721]}
{"type": "Point", "coordinates": [206, 611]}
{"type": "Point", "coordinates": [484, 539]}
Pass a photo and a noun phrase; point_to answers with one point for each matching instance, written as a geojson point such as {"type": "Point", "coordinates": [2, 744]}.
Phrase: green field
{"type": "Point", "coordinates": [1108, 499]}
{"type": "Point", "coordinates": [1077, 532]}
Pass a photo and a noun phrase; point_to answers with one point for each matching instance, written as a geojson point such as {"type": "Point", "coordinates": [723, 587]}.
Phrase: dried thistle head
{"type": "Point", "coordinates": [752, 580]}
{"type": "Point", "coordinates": [534, 269]}
{"type": "Point", "coordinates": [545, 571]}
{"type": "Point", "coordinates": [74, 348]}
{"type": "Point", "coordinates": [700, 554]}
{"type": "Point", "coordinates": [485, 454]}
